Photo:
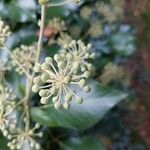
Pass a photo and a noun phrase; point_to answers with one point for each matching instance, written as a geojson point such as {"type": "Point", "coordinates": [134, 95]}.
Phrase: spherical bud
{"type": "Point", "coordinates": [57, 105]}
{"type": "Point", "coordinates": [68, 97]}
{"type": "Point", "coordinates": [44, 100]}
{"type": "Point", "coordinates": [69, 56]}
{"type": "Point", "coordinates": [82, 83]}
{"type": "Point", "coordinates": [55, 99]}
{"type": "Point", "coordinates": [67, 79]}
{"type": "Point", "coordinates": [66, 105]}
{"type": "Point", "coordinates": [79, 100]}
{"type": "Point", "coordinates": [89, 66]}
{"type": "Point", "coordinates": [44, 77]}
{"type": "Point", "coordinates": [5, 133]}
{"type": "Point", "coordinates": [93, 55]}
{"type": "Point", "coordinates": [89, 46]}
{"type": "Point", "coordinates": [45, 66]}
{"type": "Point", "coordinates": [37, 68]}
{"type": "Point", "coordinates": [86, 74]}
{"type": "Point", "coordinates": [40, 134]}
{"type": "Point", "coordinates": [48, 60]}
{"type": "Point", "coordinates": [57, 57]}
{"type": "Point", "coordinates": [37, 125]}
{"type": "Point", "coordinates": [42, 2]}
{"type": "Point", "coordinates": [43, 93]}
{"type": "Point", "coordinates": [87, 88]}
{"type": "Point", "coordinates": [61, 65]}
{"type": "Point", "coordinates": [37, 146]}
{"type": "Point", "coordinates": [35, 88]}
{"type": "Point", "coordinates": [37, 80]}
{"type": "Point", "coordinates": [76, 65]}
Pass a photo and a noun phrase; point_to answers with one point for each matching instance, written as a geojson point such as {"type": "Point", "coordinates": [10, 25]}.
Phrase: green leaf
{"type": "Point", "coordinates": [87, 143]}
{"type": "Point", "coordinates": [18, 10]}
{"type": "Point", "coordinates": [3, 143]}
{"type": "Point", "coordinates": [96, 104]}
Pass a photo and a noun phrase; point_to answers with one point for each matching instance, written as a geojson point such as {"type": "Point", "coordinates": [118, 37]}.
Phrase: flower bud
{"type": "Point", "coordinates": [68, 97]}
{"type": "Point", "coordinates": [44, 77]}
{"type": "Point", "coordinates": [44, 100]}
{"type": "Point", "coordinates": [79, 100]}
{"type": "Point", "coordinates": [43, 93]}
{"type": "Point", "coordinates": [35, 88]}
{"type": "Point", "coordinates": [57, 105]}
{"type": "Point", "coordinates": [87, 88]}
{"type": "Point", "coordinates": [86, 74]}
{"type": "Point", "coordinates": [66, 105]}
{"type": "Point", "coordinates": [82, 83]}
{"type": "Point", "coordinates": [48, 60]}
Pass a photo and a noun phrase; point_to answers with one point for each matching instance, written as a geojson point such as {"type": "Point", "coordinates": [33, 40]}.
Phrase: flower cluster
{"type": "Point", "coordinates": [112, 11]}
{"type": "Point", "coordinates": [22, 139]}
{"type": "Point", "coordinates": [80, 55]}
{"type": "Point", "coordinates": [112, 72]}
{"type": "Point", "coordinates": [4, 32]}
{"type": "Point", "coordinates": [57, 25]}
{"type": "Point", "coordinates": [58, 76]}
{"type": "Point", "coordinates": [25, 55]}
{"type": "Point", "coordinates": [7, 115]}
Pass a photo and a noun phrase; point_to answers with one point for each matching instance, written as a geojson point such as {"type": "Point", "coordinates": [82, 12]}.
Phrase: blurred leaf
{"type": "Point", "coordinates": [3, 143]}
{"type": "Point", "coordinates": [88, 143]}
{"type": "Point", "coordinates": [96, 104]}
{"type": "Point", "coordinates": [18, 10]}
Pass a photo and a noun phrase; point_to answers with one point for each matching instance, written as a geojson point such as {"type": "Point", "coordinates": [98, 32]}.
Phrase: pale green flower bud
{"type": "Point", "coordinates": [86, 74]}
{"type": "Point", "coordinates": [55, 99]}
{"type": "Point", "coordinates": [67, 79]}
{"type": "Point", "coordinates": [61, 65]}
{"type": "Point", "coordinates": [66, 105]}
{"type": "Point", "coordinates": [82, 83]}
{"type": "Point", "coordinates": [87, 88]}
{"type": "Point", "coordinates": [57, 57]}
{"type": "Point", "coordinates": [45, 66]}
{"type": "Point", "coordinates": [44, 77]}
{"type": "Point", "coordinates": [68, 97]}
{"type": "Point", "coordinates": [79, 100]}
{"type": "Point", "coordinates": [44, 100]}
{"type": "Point", "coordinates": [37, 80]}
{"type": "Point", "coordinates": [57, 105]}
{"type": "Point", "coordinates": [35, 88]}
{"type": "Point", "coordinates": [43, 93]}
{"type": "Point", "coordinates": [93, 55]}
{"type": "Point", "coordinates": [48, 60]}
{"type": "Point", "coordinates": [37, 68]}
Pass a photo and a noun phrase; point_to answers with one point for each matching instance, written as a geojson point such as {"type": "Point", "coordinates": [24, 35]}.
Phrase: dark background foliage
{"type": "Point", "coordinates": [126, 126]}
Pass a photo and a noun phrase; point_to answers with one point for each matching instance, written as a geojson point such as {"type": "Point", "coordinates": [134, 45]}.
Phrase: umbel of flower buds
{"type": "Point", "coordinates": [4, 32]}
{"type": "Point", "coordinates": [26, 56]}
{"type": "Point", "coordinates": [58, 76]}
{"type": "Point", "coordinates": [7, 115]}
{"type": "Point", "coordinates": [24, 139]}
{"type": "Point", "coordinates": [79, 53]}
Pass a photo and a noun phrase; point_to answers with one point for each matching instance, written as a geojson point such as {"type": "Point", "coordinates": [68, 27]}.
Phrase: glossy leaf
{"type": "Point", "coordinates": [96, 104]}
{"type": "Point", "coordinates": [87, 143]}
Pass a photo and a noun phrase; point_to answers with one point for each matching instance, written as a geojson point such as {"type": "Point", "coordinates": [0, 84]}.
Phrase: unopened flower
{"type": "Point", "coordinates": [4, 32]}
{"type": "Point", "coordinates": [56, 80]}
{"type": "Point", "coordinates": [64, 40]}
{"type": "Point", "coordinates": [22, 139]}
{"type": "Point", "coordinates": [57, 25]}
{"type": "Point", "coordinates": [86, 12]}
{"type": "Point", "coordinates": [111, 73]}
{"type": "Point", "coordinates": [7, 115]}
{"type": "Point", "coordinates": [79, 53]}
{"type": "Point", "coordinates": [26, 56]}
{"type": "Point", "coordinates": [96, 29]}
